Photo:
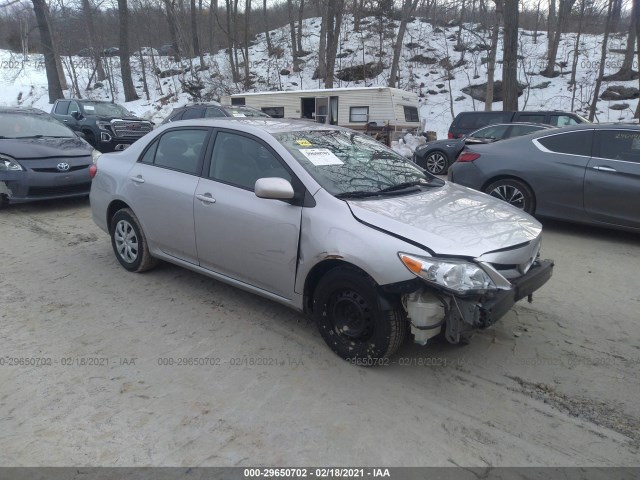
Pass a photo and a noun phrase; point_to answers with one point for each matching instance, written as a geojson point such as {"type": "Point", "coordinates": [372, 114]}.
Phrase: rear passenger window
{"type": "Point", "coordinates": [62, 108]}
{"type": "Point", "coordinates": [531, 118]}
{"type": "Point", "coordinates": [618, 145]}
{"type": "Point", "coordinates": [212, 112]}
{"type": "Point", "coordinates": [573, 143]}
{"type": "Point", "coordinates": [477, 120]}
{"type": "Point", "coordinates": [562, 120]}
{"type": "Point", "coordinates": [517, 130]}
{"type": "Point", "coordinates": [180, 150]}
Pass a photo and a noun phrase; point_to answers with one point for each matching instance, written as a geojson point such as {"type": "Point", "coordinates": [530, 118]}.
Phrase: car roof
{"type": "Point", "coordinates": [27, 110]}
{"type": "Point", "coordinates": [508, 124]}
{"type": "Point", "coordinates": [269, 125]}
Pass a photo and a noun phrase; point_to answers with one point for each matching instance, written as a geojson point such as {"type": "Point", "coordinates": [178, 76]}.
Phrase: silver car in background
{"type": "Point", "coordinates": [324, 220]}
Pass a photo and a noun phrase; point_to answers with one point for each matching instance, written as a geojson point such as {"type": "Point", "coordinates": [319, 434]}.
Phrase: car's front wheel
{"type": "Point", "coordinates": [355, 320]}
{"type": "Point", "coordinates": [436, 163]}
{"type": "Point", "coordinates": [514, 192]}
{"type": "Point", "coordinates": [129, 242]}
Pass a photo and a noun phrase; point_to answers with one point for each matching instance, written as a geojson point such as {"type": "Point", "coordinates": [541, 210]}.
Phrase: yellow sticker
{"type": "Point", "coordinates": [304, 143]}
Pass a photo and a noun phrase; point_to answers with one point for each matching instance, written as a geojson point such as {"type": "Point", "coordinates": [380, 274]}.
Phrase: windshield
{"type": "Point", "coordinates": [346, 163]}
{"type": "Point", "coordinates": [105, 109]}
{"type": "Point", "coordinates": [24, 125]}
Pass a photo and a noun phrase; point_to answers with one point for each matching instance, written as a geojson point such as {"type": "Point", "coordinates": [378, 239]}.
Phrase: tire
{"type": "Point", "coordinates": [346, 297]}
{"type": "Point", "coordinates": [4, 201]}
{"type": "Point", "coordinates": [436, 163]}
{"type": "Point", "coordinates": [91, 138]}
{"type": "Point", "coordinates": [129, 242]}
{"type": "Point", "coordinates": [514, 192]}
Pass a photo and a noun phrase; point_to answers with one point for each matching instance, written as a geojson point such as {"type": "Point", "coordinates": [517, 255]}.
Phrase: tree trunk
{"type": "Point", "coordinates": [247, 72]}
{"type": "Point", "coordinates": [603, 58]}
{"type": "Point", "coordinates": [564, 11]}
{"type": "Point", "coordinates": [299, 33]}
{"type": "Point", "coordinates": [213, 11]}
{"type": "Point", "coordinates": [125, 67]}
{"type": "Point", "coordinates": [322, 48]}
{"type": "Point", "coordinates": [173, 27]}
{"type": "Point", "coordinates": [408, 7]}
{"type": "Point", "coordinates": [53, 79]}
{"type": "Point", "coordinates": [626, 69]}
{"type": "Point", "coordinates": [95, 48]}
{"type": "Point", "coordinates": [576, 52]}
{"type": "Point", "coordinates": [266, 27]}
{"type": "Point", "coordinates": [637, 114]}
{"type": "Point", "coordinates": [194, 34]}
{"type": "Point", "coordinates": [231, 41]}
{"type": "Point", "coordinates": [491, 63]}
{"type": "Point", "coordinates": [292, 29]}
{"type": "Point", "coordinates": [334, 17]}
{"type": "Point", "coordinates": [510, 56]}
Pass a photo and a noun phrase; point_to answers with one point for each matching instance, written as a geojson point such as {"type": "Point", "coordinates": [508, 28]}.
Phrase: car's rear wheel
{"type": "Point", "coordinates": [355, 320]}
{"type": "Point", "coordinates": [514, 192]}
{"type": "Point", "coordinates": [436, 163]}
{"type": "Point", "coordinates": [129, 242]}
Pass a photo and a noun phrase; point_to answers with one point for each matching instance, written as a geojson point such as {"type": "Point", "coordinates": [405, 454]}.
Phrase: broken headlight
{"type": "Point", "coordinates": [8, 164]}
{"type": "Point", "coordinates": [456, 275]}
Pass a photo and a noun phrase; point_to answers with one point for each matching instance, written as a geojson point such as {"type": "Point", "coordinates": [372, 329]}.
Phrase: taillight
{"type": "Point", "coordinates": [93, 169]}
{"type": "Point", "coordinates": [450, 135]}
{"type": "Point", "coordinates": [468, 157]}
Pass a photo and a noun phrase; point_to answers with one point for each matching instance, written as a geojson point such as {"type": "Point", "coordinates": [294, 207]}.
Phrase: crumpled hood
{"type": "Point", "coordinates": [450, 220]}
{"type": "Point", "coordinates": [31, 148]}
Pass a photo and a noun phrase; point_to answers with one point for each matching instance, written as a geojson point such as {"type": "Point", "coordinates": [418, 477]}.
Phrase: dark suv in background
{"type": "Point", "coordinates": [107, 126]}
{"type": "Point", "coordinates": [467, 122]}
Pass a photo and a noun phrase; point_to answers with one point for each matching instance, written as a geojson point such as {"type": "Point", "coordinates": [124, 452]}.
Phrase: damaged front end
{"type": "Point", "coordinates": [458, 297]}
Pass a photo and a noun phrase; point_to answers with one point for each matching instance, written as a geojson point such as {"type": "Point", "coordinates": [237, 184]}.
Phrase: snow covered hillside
{"type": "Point", "coordinates": [430, 66]}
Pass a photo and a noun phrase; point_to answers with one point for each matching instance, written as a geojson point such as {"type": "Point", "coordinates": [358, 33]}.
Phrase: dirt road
{"type": "Point", "coordinates": [171, 368]}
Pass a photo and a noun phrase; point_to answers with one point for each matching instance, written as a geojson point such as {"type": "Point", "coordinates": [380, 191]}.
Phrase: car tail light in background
{"type": "Point", "coordinates": [468, 157]}
{"type": "Point", "coordinates": [93, 169]}
{"type": "Point", "coordinates": [450, 135]}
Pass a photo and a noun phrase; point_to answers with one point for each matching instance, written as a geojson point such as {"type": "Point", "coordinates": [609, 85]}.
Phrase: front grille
{"type": "Point", "coordinates": [55, 170]}
{"type": "Point", "coordinates": [129, 129]}
{"type": "Point", "coordinates": [59, 190]}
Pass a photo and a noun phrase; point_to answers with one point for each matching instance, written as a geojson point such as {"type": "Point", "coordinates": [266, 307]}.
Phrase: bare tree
{"type": "Point", "coordinates": [53, 78]}
{"type": "Point", "coordinates": [194, 33]}
{"type": "Point", "coordinates": [299, 33]}
{"type": "Point", "coordinates": [125, 56]}
{"type": "Point", "coordinates": [576, 54]}
{"type": "Point", "coordinates": [491, 60]}
{"type": "Point", "coordinates": [213, 9]}
{"type": "Point", "coordinates": [172, 21]}
{"type": "Point", "coordinates": [510, 56]}
{"type": "Point", "coordinates": [95, 50]}
{"type": "Point", "coordinates": [408, 8]}
{"type": "Point", "coordinates": [247, 73]}
{"type": "Point", "coordinates": [603, 58]}
{"type": "Point", "coordinates": [334, 22]}
{"type": "Point", "coordinates": [564, 12]}
{"type": "Point", "coordinates": [626, 69]}
{"type": "Point", "coordinates": [266, 27]}
{"type": "Point", "coordinates": [292, 29]}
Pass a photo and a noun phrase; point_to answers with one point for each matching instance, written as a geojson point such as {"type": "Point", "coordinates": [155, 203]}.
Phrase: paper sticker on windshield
{"type": "Point", "coordinates": [89, 108]}
{"type": "Point", "coordinates": [238, 114]}
{"type": "Point", "coordinates": [321, 156]}
{"type": "Point", "coordinates": [303, 143]}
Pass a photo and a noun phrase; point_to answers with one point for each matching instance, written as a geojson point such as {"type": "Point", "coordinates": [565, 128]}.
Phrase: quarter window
{"type": "Point", "coordinates": [618, 145]}
{"type": "Point", "coordinates": [180, 150]}
{"type": "Point", "coordinates": [240, 161]}
{"type": "Point", "coordinates": [359, 114]}
{"type": "Point", "coordinates": [574, 143]}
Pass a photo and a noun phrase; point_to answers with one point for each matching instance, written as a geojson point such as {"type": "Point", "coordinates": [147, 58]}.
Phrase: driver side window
{"type": "Point", "coordinates": [240, 161]}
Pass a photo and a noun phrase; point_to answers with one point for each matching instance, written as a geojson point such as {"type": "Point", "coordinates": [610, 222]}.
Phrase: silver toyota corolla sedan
{"type": "Point", "coordinates": [325, 220]}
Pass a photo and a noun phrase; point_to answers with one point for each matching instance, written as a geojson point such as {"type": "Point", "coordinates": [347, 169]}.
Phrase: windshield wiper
{"type": "Point", "coordinates": [404, 186]}
{"type": "Point", "coordinates": [357, 194]}
{"type": "Point", "coordinates": [44, 136]}
{"type": "Point", "coordinates": [7, 138]}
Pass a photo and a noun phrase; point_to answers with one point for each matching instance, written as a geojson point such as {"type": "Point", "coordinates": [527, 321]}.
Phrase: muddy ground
{"type": "Point", "coordinates": [554, 383]}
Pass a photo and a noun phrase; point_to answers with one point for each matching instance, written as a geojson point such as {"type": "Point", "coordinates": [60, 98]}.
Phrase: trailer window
{"type": "Point", "coordinates": [274, 112]}
{"type": "Point", "coordinates": [359, 114]}
{"type": "Point", "coordinates": [411, 114]}
{"type": "Point", "coordinates": [237, 101]}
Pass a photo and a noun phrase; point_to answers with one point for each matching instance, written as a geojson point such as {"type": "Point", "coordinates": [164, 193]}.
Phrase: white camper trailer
{"type": "Point", "coordinates": [380, 111]}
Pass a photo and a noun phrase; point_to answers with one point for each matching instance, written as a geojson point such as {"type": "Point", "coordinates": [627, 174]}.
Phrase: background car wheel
{"type": "Point", "coordinates": [91, 138]}
{"type": "Point", "coordinates": [514, 192]}
{"type": "Point", "coordinates": [129, 242]}
{"type": "Point", "coordinates": [349, 314]}
{"type": "Point", "coordinates": [436, 163]}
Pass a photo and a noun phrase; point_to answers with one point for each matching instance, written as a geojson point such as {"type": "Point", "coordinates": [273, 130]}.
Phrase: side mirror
{"type": "Point", "coordinates": [76, 115]}
{"type": "Point", "coordinates": [274, 188]}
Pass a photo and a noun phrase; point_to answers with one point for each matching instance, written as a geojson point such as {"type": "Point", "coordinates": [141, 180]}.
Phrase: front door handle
{"type": "Point", "coordinates": [206, 198]}
{"type": "Point", "coordinates": [137, 179]}
{"type": "Point", "coordinates": [605, 169]}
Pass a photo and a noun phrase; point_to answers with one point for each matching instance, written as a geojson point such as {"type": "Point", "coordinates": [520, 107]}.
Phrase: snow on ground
{"type": "Point", "coordinates": [441, 96]}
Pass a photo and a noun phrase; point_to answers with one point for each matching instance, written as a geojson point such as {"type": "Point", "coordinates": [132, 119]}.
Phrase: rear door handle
{"type": "Point", "coordinates": [137, 179]}
{"type": "Point", "coordinates": [206, 198]}
{"type": "Point", "coordinates": [605, 169]}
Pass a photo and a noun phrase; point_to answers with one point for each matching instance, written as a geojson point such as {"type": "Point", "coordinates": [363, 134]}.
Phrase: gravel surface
{"type": "Point", "coordinates": [101, 367]}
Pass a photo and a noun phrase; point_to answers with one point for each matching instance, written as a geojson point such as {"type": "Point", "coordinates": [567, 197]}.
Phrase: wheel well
{"type": "Point", "coordinates": [113, 208]}
{"type": "Point", "coordinates": [316, 274]}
